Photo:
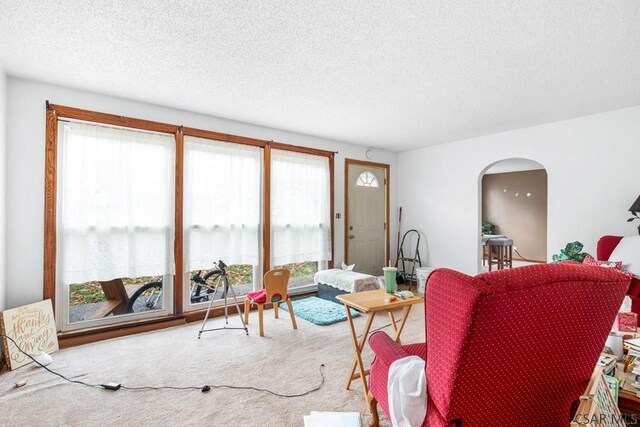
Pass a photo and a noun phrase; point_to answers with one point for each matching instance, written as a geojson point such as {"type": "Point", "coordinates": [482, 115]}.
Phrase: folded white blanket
{"type": "Point", "coordinates": [407, 391]}
{"type": "Point", "coordinates": [345, 280]}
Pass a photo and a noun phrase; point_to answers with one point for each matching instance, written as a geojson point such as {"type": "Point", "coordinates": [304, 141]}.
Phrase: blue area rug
{"type": "Point", "coordinates": [319, 311]}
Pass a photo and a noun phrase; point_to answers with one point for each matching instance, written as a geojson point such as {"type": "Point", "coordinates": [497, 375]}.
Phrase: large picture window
{"type": "Point", "coordinates": [222, 217]}
{"type": "Point", "coordinates": [115, 214]}
{"type": "Point", "coordinates": [134, 209]}
{"type": "Point", "coordinates": [300, 214]}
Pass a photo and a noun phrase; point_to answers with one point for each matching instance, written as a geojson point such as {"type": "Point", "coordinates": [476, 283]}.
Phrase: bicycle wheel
{"type": "Point", "coordinates": [200, 293]}
{"type": "Point", "coordinates": [148, 297]}
{"type": "Point", "coordinates": [203, 287]}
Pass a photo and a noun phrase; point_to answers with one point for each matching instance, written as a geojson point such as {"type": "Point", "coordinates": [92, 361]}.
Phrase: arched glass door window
{"type": "Point", "coordinates": [367, 179]}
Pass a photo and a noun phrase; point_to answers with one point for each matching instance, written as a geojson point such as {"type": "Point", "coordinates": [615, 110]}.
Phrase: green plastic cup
{"type": "Point", "coordinates": [390, 279]}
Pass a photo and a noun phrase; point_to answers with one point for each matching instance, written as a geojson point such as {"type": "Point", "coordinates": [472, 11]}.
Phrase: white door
{"type": "Point", "coordinates": [366, 218]}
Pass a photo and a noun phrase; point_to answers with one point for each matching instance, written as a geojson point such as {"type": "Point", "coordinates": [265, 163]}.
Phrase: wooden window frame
{"type": "Point", "coordinates": [387, 169]}
{"type": "Point", "coordinates": [55, 112]}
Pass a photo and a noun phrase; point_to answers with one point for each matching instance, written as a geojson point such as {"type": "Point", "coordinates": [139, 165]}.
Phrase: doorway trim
{"type": "Point", "coordinates": [480, 198]}
{"type": "Point", "coordinates": [387, 171]}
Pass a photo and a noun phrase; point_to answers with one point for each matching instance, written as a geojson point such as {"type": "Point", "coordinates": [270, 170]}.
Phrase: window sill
{"type": "Point", "coordinates": [71, 339]}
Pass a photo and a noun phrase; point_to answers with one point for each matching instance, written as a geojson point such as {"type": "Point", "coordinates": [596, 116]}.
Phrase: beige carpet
{"type": "Point", "coordinates": [285, 361]}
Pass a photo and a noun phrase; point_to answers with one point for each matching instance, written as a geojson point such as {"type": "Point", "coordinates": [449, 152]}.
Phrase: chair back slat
{"type": "Point", "coordinates": [276, 282]}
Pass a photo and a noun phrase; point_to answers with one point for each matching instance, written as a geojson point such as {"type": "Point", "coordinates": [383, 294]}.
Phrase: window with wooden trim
{"type": "Point", "coordinates": [300, 214]}
{"type": "Point", "coordinates": [131, 205]}
{"type": "Point", "coordinates": [222, 220]}
{"type": "Point", "coordinates": [115, 221]}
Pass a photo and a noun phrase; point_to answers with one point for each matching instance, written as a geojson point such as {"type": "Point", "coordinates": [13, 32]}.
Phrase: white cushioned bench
{"type": "Point", "coordinates": [346, 281]}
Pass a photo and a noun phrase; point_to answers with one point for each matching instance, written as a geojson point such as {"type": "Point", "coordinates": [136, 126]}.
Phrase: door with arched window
{"type": "Point", "coordinates": [366, 216]}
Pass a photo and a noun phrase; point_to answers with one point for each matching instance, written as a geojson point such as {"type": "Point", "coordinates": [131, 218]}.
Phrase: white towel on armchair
{"type": "Point", "coordinates": [407, 391]}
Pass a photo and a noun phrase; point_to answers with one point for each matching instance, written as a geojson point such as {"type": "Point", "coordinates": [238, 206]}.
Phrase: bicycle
{"type": "Point", "coordinates": [147, 297]}
{"type": "Point", "coordinates": [150, 296]}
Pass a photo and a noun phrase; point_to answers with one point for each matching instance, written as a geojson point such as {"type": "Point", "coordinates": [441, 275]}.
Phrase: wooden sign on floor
{"type": "Point", "coordinates": [33, 328]}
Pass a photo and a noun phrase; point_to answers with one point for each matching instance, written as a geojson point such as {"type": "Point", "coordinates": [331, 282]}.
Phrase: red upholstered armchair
{"type": "Point", "coordinates": [511, 347]}
{"type": "Point", "coordinates": [605, 247]}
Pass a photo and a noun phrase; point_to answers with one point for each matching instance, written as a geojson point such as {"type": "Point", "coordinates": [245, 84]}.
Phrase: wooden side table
{"type": "Point", "coordinates": [371, 303]}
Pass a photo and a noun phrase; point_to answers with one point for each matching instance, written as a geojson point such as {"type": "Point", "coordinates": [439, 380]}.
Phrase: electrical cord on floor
{"type": "Point", "coordinates": [47, 369]}
{"type": "Point", "coordinates": [520, 255]}
{"type": "Point", "coordinates": [204, 389]}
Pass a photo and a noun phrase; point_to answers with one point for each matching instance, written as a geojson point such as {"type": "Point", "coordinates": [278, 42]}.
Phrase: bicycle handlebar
{"type": "Point", "coordinates": [220, 269]}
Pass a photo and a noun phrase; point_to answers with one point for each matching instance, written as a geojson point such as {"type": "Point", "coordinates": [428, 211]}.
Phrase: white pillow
{"type": "Point", "coordinates": [628, 251]}
{"type": "Point", "coordinates": [347, 267]}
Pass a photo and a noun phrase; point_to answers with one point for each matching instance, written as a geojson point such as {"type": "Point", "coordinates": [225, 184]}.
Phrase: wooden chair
{"type": "Point", "coordinates": [276, 283]}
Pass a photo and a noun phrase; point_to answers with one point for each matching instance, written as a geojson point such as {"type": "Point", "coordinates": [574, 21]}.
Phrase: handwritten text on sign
{"type": "Point", "coordinates": [33, 328]}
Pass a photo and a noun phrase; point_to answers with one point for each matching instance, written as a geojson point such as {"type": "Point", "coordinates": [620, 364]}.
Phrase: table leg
{"type": "Point", "coordinates": [358, 346]}
{"type": "Point", "coordinates": [403, 320]}
{"type": "Point", "coordinates": [393, 324]}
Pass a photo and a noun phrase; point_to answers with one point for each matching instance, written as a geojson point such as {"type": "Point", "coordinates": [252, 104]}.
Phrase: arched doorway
{"type": "Point", "coordinates": [513, 203]}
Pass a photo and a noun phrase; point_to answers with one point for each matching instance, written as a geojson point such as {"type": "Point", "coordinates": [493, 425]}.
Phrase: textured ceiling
{"type": "Point", "coordinates": [388, 74]}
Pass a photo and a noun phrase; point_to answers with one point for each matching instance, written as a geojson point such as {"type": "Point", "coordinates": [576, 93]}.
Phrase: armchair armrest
{"type": "Point", "coordinates": [386, 349]}
{"type": "Point", "coordinates": [386, 352]}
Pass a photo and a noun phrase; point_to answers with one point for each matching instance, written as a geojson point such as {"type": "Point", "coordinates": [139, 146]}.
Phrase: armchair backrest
{"type": "Point", "coordinates": [517, 346]}
{"type": "Point", "coordinates": [604, 249]}
{"type": "Point", "coordinates": [606, 245]}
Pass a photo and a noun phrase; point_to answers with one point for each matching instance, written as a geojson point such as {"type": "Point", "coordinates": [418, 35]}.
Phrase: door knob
{"type": "Point", "coordinates": [351, 236]}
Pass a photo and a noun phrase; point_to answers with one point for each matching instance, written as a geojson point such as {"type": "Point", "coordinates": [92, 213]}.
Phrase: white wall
{"type": "Point", "coordinates": [25, 169]}
{"type": "Point", "coordinates": [514, 165]}
{"type": "Point", "coordinates": [592, 166]}
{"type": "Point", "coordinates": [3, 204]}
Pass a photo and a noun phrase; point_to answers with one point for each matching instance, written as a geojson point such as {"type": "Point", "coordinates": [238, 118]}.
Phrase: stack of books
{"type": "Point", "coordinates": [633, 352]}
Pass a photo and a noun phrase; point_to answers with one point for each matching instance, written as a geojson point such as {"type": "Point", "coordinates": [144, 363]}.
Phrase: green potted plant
{"type": "Point", "coordinates": [488, 227]}
{"type": "Point", "coordinates": [571, 252]}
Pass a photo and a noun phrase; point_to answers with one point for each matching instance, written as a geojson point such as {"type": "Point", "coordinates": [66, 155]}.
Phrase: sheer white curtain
{"type": "Point", "coordinates": [222, 192]}
{"type": "Point", "coordinates": [115, 203]}
{"type": "Point", "coordinates": [300, 208]}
